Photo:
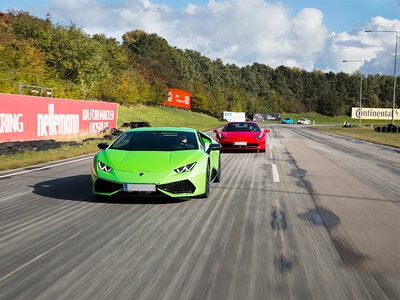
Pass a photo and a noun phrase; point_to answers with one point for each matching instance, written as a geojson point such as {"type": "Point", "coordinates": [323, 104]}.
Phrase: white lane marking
{"type": "Point", "coordinates": [275, 173]}
{"type": "Point", "coordinates": [46, 167]}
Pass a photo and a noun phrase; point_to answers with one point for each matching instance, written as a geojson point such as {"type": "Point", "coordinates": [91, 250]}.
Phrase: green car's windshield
{"type": "Point", "coordinates": [156, 141]}
{"type": "Point", "coordinates": [241, 127]}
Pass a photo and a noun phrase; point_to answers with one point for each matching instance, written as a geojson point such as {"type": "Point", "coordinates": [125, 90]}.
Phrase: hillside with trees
{"type": "Point", "coordinates": [79, 66]}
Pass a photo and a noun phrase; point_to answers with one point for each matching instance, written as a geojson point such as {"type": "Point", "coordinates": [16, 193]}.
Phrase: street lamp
{"type": "Point", "coordinates": [395, 63]}
{"type": "Point", "coordinates": [361, 62]}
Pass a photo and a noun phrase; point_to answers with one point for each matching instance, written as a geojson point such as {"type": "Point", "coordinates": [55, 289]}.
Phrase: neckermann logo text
{"type": "Point", "coordinates": [55, 124]}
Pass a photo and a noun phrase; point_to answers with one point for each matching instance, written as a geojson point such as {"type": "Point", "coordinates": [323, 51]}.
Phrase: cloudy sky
{"type": "Point", "coordinates": [309, 34]}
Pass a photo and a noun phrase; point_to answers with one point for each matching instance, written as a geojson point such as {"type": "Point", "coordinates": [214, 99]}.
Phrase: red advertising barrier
{"type": "Point", "coordinates": [178, 98]}
{"type": "Point", "coordinates": [24, 118]}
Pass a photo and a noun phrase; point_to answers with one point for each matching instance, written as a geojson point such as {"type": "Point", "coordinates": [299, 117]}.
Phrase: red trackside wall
{"type": "Point", "coordinates": [24, 118]}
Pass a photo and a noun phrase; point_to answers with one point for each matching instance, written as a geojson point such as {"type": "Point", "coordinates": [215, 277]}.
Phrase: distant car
{"type": "Point", "coordinates": [287, 121]}
{"type": "Point", "coordinates": [304, 121]}
{"type": "Point", "coordinates": [242, 135]}
{"type": "Point", "coordinates": [178, 162]}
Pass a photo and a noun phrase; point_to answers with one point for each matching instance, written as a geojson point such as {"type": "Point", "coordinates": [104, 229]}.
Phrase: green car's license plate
{"type": "Point", "coordinates": [139, 187]}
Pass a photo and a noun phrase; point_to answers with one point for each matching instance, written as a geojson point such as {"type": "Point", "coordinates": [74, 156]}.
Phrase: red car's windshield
{"type": "Point", "coordinates": [241, 127]}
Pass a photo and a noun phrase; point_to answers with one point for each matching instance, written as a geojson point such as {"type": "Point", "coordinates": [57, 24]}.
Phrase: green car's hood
{"type": "Point", "coordinates": [150, 161]}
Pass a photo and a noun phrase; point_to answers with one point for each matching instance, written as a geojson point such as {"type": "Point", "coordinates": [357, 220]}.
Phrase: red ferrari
{"type": "Point", "coordinates": [242, 135]}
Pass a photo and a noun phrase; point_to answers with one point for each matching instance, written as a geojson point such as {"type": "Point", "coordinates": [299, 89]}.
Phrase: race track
{"type": "Point", "coordinates": [315, 217]}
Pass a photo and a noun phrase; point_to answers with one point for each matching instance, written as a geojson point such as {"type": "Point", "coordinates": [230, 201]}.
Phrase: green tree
{"type": "Point", "coordinates": [199, 103]}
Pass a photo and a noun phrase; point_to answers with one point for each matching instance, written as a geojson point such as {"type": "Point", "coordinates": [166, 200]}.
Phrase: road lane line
{"type": "Point", "coordinates": [275, 173]}
{"type": "Point", "coordinates": [45, 167]}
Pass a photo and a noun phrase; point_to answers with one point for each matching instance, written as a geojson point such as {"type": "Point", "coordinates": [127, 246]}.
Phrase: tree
{"type": "Point", "coordinates": [199, 103]}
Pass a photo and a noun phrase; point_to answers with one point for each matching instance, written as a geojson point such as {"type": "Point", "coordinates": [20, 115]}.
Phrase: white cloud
{"type": "Point", "coordinates": [241, 32]}
{"type": "Point", "coordinates": [375, 49]}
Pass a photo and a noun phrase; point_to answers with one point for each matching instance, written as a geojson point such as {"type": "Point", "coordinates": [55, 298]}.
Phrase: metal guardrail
{"type": "Point", "coordinates": [31, 86]}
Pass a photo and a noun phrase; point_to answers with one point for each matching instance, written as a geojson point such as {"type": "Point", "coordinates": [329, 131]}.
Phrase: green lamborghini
{"type": "Point", "coordinates": [178, 162]}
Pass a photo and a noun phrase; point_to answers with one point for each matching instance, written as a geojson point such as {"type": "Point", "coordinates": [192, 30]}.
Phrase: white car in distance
{"type": "Point", "coordinates": [304, 122]}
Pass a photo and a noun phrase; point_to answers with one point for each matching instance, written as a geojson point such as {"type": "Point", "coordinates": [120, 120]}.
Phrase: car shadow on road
{"type": "Point", "coordinates": [79, 188]}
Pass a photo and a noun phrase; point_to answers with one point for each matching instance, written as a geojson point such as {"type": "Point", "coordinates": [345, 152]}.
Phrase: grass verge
{"type": "Point", "coordinates": [365, 134]}
{"type": "Point", "coordinates": [160, 116]}
{"type": "Point", "coordinates": [332, 120]}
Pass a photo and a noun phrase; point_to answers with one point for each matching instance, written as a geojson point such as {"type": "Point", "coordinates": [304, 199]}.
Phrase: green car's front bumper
{"type": "Point", "coordinates": [170, 183]}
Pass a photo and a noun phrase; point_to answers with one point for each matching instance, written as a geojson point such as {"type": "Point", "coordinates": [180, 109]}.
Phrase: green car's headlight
{"type": "Point", "coordinates": [103, 167]}
{"type": "Point", "coordinates": [186, 168]}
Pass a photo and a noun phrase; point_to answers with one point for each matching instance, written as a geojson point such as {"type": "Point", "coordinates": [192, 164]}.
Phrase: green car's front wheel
{"type": "Point", "coordinates": [207, 183]}
{"type": "Point", "coordinates": [218, 178]}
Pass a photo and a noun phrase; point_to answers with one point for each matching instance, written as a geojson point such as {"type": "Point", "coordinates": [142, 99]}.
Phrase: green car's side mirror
{"type": "Point", "coordinates": [102, 146]}
{"type": "Point", "coordinates": [213, 147]}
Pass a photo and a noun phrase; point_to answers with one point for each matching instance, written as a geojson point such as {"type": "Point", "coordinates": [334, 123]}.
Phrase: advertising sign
{"type": "Point", "coordinates": [234, 116]}
{"type": "Point", "coordinates": [24, 118]}
{"type": "Point", "coordinates": [178, 98]}
{"type": "Point", "coordinates": [374, 113]}
{"type": "Point", "coordinates": [259, 117]}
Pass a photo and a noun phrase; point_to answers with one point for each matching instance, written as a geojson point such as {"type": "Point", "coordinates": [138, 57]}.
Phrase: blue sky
{"type": "Point", "coordinates": [309, 34]}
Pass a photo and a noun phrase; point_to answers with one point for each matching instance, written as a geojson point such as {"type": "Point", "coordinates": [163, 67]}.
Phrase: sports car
{"type": "Point", "coordinates": [304, 122]}
{"type": "Point", "coordinates": [287, 121]}
{"type": "Point", "coordinates": [178, 162]}
{"type": "Point", "coordinates": [242, 135]}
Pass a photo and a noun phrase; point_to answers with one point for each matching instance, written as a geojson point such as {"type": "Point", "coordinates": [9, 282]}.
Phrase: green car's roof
{"type": "Point", "coordinates": [163, 129]}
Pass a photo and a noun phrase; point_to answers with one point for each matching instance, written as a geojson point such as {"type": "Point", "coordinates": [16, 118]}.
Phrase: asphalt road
{"type": "Point", "coordinates": [315, 217]}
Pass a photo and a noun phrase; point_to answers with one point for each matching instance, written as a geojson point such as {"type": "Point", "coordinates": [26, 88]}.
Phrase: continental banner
{"type": "Point", "coordinates": [24, 118]}
{"type": "Point", "coordinates": [374, 113]}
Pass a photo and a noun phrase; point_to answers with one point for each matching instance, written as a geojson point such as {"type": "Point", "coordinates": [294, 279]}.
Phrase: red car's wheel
{"type": "Point", "coordinates": [265, 148]}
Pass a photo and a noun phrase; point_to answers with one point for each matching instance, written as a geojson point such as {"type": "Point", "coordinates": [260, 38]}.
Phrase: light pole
{"type": "Point", "coordinates": [395, 63]}
{"type": "Point", "coordinates": [361, 62]}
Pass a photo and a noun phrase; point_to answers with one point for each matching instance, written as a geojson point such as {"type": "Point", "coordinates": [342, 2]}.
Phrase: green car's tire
{"type": "Point", "coordinates": [218, 178]}
{"type": "Point", "coordinates": [207, 185]}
